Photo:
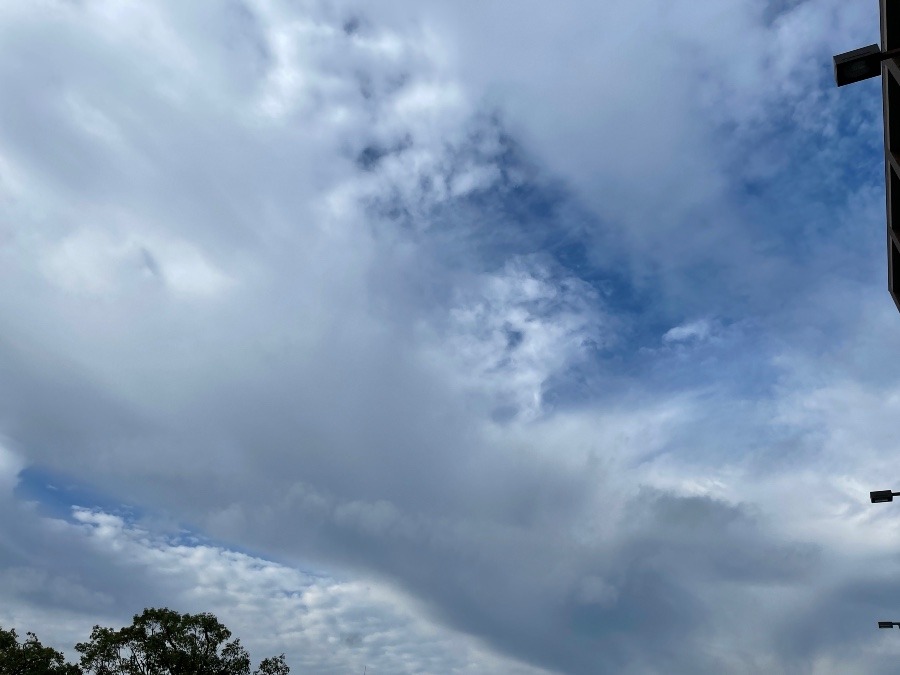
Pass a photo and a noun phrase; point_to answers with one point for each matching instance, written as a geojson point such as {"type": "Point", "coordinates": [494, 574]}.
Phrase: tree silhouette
{"type": "Point", "coordinates": [31, 657]}
{"type": "Point", "coordinates": [164, 642]}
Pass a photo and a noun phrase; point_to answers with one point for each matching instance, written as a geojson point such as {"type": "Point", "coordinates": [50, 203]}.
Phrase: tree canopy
{"type": "Point", "coordinates": [31, 657]}
{"type": "Point", "coordinates": [158, 642]}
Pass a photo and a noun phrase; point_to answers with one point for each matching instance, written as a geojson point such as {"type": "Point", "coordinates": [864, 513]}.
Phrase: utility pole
{"type": "Point", "coordinates": [871, 61]}
{"type": "Point", "coordinates": [890, 93]}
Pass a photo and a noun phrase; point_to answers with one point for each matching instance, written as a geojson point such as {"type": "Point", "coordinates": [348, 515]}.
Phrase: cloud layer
{"type": "Point", "coordinates": [553, 339]}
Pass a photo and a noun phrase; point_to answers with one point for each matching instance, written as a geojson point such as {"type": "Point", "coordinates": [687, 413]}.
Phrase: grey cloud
{"type": "Point", "coordinates": [535, 607]}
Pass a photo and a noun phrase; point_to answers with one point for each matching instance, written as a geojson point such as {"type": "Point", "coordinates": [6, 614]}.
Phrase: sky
{"type": "Point", "coordinates": [450, 337]}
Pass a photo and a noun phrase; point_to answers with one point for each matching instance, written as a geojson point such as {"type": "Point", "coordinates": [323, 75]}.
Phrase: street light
{"type": "Point", "coordinates": [881, 496]}
{"type": "Point", "coordinates": [888, 624]}
{"type": "Point", "coordinates": [860, 64]}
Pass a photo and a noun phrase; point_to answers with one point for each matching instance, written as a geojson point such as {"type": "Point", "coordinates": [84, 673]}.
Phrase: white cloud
{"type": "Point", "coordinates": [10, 466]}
{"type": "Point", "coordinates": [322, 624]}
{"type": "Point", "coordinates": [101, 262]}
{"type": "Point", "coordinates": [696, 330]}
{"type": "Point", "coordinates": [514, 330]}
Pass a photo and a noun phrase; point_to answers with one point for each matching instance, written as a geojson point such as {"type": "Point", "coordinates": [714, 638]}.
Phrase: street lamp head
{"type": "Point", "coordinates": [887, 624]}
{"type": "Point", "coordinates": [860, 64]}
{"type": "Point", "coordinates": [881, 496]}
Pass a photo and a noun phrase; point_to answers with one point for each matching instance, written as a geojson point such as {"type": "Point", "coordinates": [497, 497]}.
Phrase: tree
{"type": "Point", "coordinates": [31, 657]}
{"type": "Point", "coordinates": [164, 642]}
{"type": "Point", "coordinates": [274, 665]}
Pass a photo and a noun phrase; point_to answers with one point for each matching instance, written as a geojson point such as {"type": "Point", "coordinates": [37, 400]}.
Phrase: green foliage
{"type": "Point", "coordinates": [164, 642]}
{"type": "Point", "coordinates": [31, 657]}
{"type": "Point", "coordinates": [158, 642]}
{"type": "Point", "coordinates": [274, 665]}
